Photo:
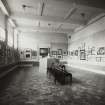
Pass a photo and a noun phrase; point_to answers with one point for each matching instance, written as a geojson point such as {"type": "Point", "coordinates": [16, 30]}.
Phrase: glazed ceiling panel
{"type": "Point", "coordinates": [56, 9]}
{"type": "Point", "coordinates": [86, 13]}
{"type": "Point", "coordinates": [69, 26]}
{"type": "Point", "coordinates": [23, 6]}
{"type": "Point", "coordinates": [49, 24]}
{"type": "Point", "coordinates": [60, 16]}
{"type": "Point", "coordinates": [26, 22]}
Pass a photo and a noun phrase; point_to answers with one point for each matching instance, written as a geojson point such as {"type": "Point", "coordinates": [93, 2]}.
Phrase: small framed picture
{"type": "Point", "coordinates": [59, 51]}
{"type": "Point", "coordinates": [59, 56]}
{"type": "Point", "coordinates": [98, 59]}
{"type": "Point", "coordinates": [54, 56]}
{"type": "Point", "coordinates": [54, 52]}
{"type": "Point", "coordinates": [76, 52]}
{"type": "Point", "coordinates": [65, 53]}
{"type": "Point", "coordinates": [82, 55]}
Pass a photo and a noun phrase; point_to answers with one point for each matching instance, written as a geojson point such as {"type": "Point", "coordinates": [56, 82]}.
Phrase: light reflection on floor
{"type": "Point", "coordinates": [30, 86]}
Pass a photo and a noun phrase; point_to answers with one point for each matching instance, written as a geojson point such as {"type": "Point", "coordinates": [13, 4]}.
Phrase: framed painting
{"type": "Point", "coordinates": [82, 55]}
{"type": "Point", "coordinates": [54, 56]}
{"type": "Point", "coordinates": [76, 52]}
{"type": "Point", "coordinates": [54, 52]}
{"type": "Point", "coordinates": [65, 53]}
{"type": "Point", "coordinates": [59, 51]}
{"type": "Point", "coordinates": [59, 56]}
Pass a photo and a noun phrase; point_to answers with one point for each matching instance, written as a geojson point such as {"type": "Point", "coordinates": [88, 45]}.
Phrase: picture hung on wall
{"type": "Point", "coordinates": [54, 52]}
{"type": "Point", "coordinates": [59, 51]}
{"type": "Point", "coordinates": [101, 51]}
{"type": "Point", "coordinates": [65, 53]}
{"type": "Point", "coordinates": [103, 59]}
{"type": "Point", "coordinates": [21, 52]}
{"type": "Point", "coordinates": [76, 52]}
{"type": "Point", "coordinates": [34, 53]}
{"type": "Point", "coordinates": [54, 56]}
{"type": "Point", "coordinates": [28, 55]}
{"type": "Point", "coordinates": [98, 59]}
{"type": "Point", "coordinates": [59, 56]}
{"type": "Point", "coordinates": [82, 55]}
{"type": "Point", "coordinates": [43, 51]}
{"type": "Point", "coordinates": [89, 51]}
{"type": "Point", "coordinates": [72, 53]}
{"type": "Point", "coordinates": [93, 51]}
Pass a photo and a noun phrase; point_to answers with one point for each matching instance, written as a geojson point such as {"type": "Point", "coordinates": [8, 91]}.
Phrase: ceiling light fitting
{"type": "Point", "coordinates": [26, 6]}
{"type": "Point", "coordinates": [83, 15]}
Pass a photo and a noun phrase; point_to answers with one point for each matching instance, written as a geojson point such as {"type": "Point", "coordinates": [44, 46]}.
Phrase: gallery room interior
{"type": "Point", "coordinates": [52, 52]}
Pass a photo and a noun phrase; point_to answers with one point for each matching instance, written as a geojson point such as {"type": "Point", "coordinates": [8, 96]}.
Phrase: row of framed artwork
{"type": "Point", "coordinates": [7, 54]}
{"type": "Point", "coordinates": [59, 52]}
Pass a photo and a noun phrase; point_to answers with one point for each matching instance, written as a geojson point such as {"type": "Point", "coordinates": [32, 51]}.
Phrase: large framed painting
{"type": "Point", "coordinates": [43, 51]}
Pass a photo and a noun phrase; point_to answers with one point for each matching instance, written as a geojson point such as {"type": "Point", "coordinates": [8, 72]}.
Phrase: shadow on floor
{"type": "Point", "coordinates": [28, 86]}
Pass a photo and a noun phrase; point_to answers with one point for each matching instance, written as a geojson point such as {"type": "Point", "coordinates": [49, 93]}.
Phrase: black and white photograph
{"type": "Point", "coordinates": [52, 52]}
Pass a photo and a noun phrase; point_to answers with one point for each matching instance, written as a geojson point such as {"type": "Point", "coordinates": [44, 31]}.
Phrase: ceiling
{"type": "Point", "coordinates": [55, 16]}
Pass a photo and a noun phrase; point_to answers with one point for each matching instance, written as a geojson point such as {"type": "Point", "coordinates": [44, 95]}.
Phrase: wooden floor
{"type": "Point", "coordinates": [31, 86]}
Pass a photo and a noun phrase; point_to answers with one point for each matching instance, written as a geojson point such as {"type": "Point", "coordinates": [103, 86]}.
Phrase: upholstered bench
{"type": "Point", "coordinates": [60, 75]}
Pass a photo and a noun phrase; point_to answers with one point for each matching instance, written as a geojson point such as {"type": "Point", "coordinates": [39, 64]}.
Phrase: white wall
{"type": "Point", "coordinates": [56, 46]}
{"type": "Point", "coordinates": [91, 38]}
{"type": "Point", "coordinates": [32, 40]}
{"type": "Point", "coordinates": [43, 40]}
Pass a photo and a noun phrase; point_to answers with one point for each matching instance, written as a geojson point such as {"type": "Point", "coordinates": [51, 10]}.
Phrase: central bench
{"type": "Point", "coordinates": [60, 75]}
